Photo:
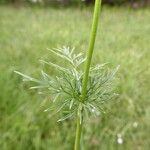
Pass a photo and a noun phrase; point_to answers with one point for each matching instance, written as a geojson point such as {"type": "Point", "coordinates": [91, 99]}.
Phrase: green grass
{"type": "Point", "coordinates": [123, 38]}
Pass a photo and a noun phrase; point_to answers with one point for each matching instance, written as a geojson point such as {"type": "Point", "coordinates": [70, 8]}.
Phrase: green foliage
{"type": "Point", "coordinates": [65, 88]}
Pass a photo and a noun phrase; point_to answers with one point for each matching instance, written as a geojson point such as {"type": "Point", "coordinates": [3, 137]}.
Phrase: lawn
{"type": "Point", "coordinates": [123, 38]}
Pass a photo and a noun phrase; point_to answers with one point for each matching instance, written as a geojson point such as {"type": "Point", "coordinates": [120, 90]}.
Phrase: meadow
{"type": "Point", "coordinates": [123, 39]}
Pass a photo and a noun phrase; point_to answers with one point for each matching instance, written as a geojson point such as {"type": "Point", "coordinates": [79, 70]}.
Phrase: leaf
{"type": "Point", "coordinates": [56, 97]}
{"type": "Point", "coordinates": [27, 78]}
{"type": "Point", "coordinates": [71, 103]}
{"type": "Point", "coordinates": [45, 75]}
{"type": "Point", "coordinates": [97, 67]}
{"type": "Point", "coordinates": [60, 55]}
{"type": "Point", "coordinates": [65, 117]}
{"type": "Point", "coordinates": [65, 88]}
{"type": "Point", "coordinates": [39, 87]}
{"type": "Point", "coordinates": [54, 65]}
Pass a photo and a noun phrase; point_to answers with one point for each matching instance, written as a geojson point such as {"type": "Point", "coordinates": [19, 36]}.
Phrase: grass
{"type": "Point", "coordinates": [123, 38]}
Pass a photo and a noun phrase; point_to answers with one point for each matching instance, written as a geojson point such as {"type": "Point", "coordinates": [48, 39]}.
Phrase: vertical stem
{"type": "Point", "coordinates": [78, 134]}
{"type": "Point", "coordinates": [90, 49]}
{"type": "Point", "coordinates": [86, 70]}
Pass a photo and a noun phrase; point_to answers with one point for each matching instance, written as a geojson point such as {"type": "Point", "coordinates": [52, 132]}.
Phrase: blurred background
{"type": "Point", "coordinates": [29, 27]}
{"type": "Point", "coordinates": [134, 3]}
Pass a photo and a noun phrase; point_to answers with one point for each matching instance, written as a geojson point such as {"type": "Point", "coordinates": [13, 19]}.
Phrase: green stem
{"type": "Point", "coordinates": [78, 134]}
{"type": "Point", "coordinates": [86, 70]}
{"type": "Point", "coordinates": [90, 49]}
